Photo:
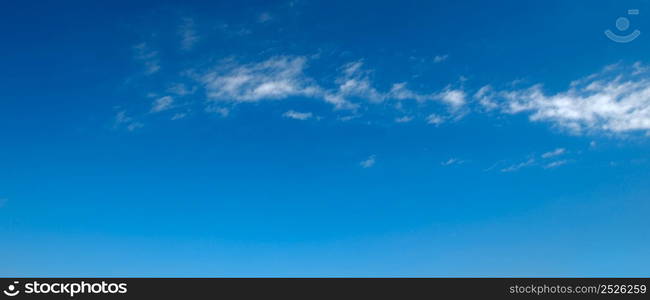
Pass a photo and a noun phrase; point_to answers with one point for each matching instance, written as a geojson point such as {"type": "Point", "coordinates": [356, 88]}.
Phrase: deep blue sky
{"type": "Point", "coordinates": [323, 138]}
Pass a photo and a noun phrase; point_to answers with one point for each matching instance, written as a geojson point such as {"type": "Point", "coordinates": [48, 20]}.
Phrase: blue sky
{"type": "Point", "coordinates": [324, 138]}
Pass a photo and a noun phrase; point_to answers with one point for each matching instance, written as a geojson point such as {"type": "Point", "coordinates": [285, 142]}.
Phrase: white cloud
{"type": "Point", "coordinates": [454, 97]}
{"type": "Point", "coordinates": [162, 104]}
{"type": "Point", "coordinates": [180, 89]}
{"type": "Point", "coordinates": [178, 116]}
{"type": "Point", "coordinates": [435, 119]}
{"type": "Point", "coordinates": [188, 34]}
{"type": "Point", "coordinates": [279, 77]}
{"type": "Point", "coordinates": [533, 162]}
{"type": "Point", "coordinates": [222, 111]}
{"type": "Point", "coordinates": [485, 96]}
{"type": "Point", "coordinates": [452, 161]}
{"type": "Point", "coordinates": [639, 68]}
{"type": "Point", "coordinates": [355, 82]}
{"type": "Point", "coordinates": [282, 77]}
{"type": "Point", "coordinates": [556, 152]}
{"type": "Point", "coordinates": [518, 166]}
{"type": "Point", "coordinates": [347, 118]}
{"type": "Point", "coordinates": [440, 58]}
{"type": "Point", "coordinates": [555, 164]}
{"type": "Point", "coordinates": [399, 91]}
{"type": "Point", "coordinates": [615, 100]}
{"type": "Point", "coordinates": [297, 115]}
{"type": "Point", "coordinates": [133, 126]}
{"type": "Point", "coordinates": [339, 101]}
{"type": "Point", "coordinates": [404, 119]}
{"type": "Point", "coordinates": [276, 78]}
{"type": "Point", "coordinates": [148, 57]}
{"type": "Point", "coordinates": [121, 119]}
{"type": "Point", "coordinates": [369, 162]}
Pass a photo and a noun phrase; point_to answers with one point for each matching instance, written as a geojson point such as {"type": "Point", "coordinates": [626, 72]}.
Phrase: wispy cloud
{"type": "Point", "coordinates": [518, 166]}
{"type": "Point", "coordinates": [556, 152]}
{"type": "Point", "coordinates": [222, 111]}
{"type": "Point", "coordinates": [541, 160]}
{"type": "Point", "coordinates": [291, 114]}
{"type": "Point", "coordinates": [452, 161]}
{"type": "Point", "coordinates": [276, 78]}
{"type": "Point", "coordinates": [440, 58]}
{"type": "Point", "coordinates": [189, 36]}
{"type": "Point", "coordinates": [486, 98]}
{"type": "Point", "coordinates": [282, 77]}
{"type": "Point", "coordinates": [122, 120]}
{"type": "Point", "coordinates": [180, 89]}
{"type": "Point", "coordinates": [455, 98]}
{"type": "Point", "coordinates": [435, 119]}
{"type": "Point", "coordinates": [348, 117]}
{"type": "Point", "coordinates": [355, 82]}
{"type": "Point", "coordinates": [178, 116]}
{"type": "Point", "coordinates": [555, 164]}
{"type": "Point", "coordinates": [148, 57]}
{"type": "Point", "coordinates": [404, 119]}
{"type": "Point", "coordinates": [369, 162]}
{"type": "Point", "coordinates": [234, 30]}
{"type": "Point", "coordinates": [162, 104]}
{"type": "Point", "coordinates": [615, 100]}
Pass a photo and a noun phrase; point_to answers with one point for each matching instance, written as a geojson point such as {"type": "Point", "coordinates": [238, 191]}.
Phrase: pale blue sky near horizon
{"type": "Point", "coordinates": [324, 138]}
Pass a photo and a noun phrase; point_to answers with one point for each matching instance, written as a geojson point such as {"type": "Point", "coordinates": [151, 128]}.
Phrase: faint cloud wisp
{"type": "Point", "coordinates": [369, 162]}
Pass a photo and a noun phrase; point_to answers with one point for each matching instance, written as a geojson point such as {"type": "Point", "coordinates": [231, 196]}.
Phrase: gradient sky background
{"type": "Point", "coordinates": [323, 138]}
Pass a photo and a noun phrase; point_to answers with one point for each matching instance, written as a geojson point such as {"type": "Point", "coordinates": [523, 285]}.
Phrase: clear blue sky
{"type": "Point", "coordinates": [324, 138]}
